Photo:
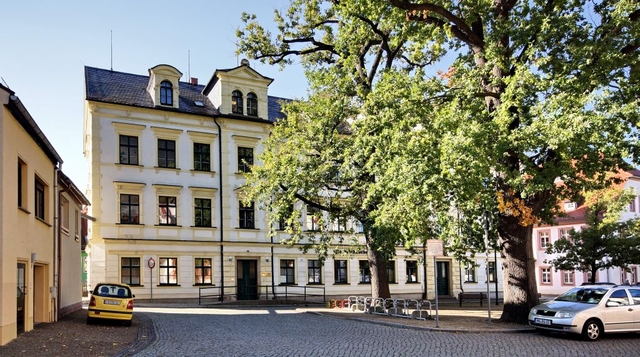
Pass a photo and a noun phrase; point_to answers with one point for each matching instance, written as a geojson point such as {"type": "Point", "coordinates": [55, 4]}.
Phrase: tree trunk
{"type": "Point", "coordinates": [520, 290]}
{"type": "Point", "coordinates": [378, 270]}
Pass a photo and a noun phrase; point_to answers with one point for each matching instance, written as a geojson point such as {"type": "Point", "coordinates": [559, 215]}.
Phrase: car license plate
{"type": "Point", "coordinates": [111, 302]}
{"type": "Point", "coordinates": [542, 321]}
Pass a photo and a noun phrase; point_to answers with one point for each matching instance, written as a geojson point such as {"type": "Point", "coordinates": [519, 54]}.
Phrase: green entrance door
{"type": "Point", "coordinates": [443, 278]}
{"type": "Point", "coordinates": [247, 277]}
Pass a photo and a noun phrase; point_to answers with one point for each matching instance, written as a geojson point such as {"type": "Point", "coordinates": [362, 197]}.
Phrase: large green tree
{"type": "Point", "coordinates": [606, 241]}
{"type": "Point", "coordinates": [468, 106]}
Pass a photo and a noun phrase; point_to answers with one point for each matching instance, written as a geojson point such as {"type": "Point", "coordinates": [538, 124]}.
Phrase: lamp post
{"type": "Point", "coordinates": [151, 263]}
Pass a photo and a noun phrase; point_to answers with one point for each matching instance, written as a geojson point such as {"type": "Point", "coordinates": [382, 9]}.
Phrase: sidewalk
{"type": "Point", "coordinates": [471, 317]}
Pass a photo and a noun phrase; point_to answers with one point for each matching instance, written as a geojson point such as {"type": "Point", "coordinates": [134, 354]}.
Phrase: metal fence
{"type": "Point", "coordinates": [217, 294]}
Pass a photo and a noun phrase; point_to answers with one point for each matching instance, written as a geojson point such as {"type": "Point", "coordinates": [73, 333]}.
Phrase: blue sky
{"type": "Point", "coordinates": [46, 45]}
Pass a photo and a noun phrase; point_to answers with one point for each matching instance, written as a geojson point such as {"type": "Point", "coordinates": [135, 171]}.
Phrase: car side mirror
{"type": "Point", "coordinates": [133, 295]}
{"type": "Point", "coordinates": [612, 303]}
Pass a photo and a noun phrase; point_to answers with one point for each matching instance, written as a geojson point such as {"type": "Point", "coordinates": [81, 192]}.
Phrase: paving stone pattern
{"type": "Point", "coordinates": [287, 331]}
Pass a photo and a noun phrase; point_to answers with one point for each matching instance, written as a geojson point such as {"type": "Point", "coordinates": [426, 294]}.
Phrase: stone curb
{"type": "Point", "coordinates": [145, 337]}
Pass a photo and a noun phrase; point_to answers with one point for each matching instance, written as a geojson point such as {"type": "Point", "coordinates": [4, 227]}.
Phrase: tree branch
{"type": "Point", "coordinates": [460, 28]}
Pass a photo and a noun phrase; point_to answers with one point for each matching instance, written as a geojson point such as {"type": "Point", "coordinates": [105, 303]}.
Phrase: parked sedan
{"type": "Point", "coordinates": [111, 301]}
{"type": "Point", "coordinates": [590, 310]}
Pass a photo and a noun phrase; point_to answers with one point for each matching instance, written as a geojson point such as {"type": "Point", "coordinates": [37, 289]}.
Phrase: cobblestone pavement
{"type": "Point", "coordinates": [291, 331]}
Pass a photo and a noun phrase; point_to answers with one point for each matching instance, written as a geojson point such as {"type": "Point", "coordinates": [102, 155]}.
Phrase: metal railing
{"type": "Point", "coordinates": [308, 294]}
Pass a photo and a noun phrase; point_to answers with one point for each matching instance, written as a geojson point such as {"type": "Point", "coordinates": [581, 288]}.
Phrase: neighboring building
{"type": "Point", "coordinates": [69, 256]}
{"type": "Point", "coordinates": [551, 282]}
{"type": "Point", "coordinates": [166, 166]}
{"type": "Point", "coordinates": [33, 253]}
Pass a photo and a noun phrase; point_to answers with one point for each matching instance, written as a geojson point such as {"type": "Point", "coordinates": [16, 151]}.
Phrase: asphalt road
{"type": "Point", "coordinates": [287, 331]}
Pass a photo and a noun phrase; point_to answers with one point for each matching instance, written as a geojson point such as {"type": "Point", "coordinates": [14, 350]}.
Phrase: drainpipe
{"type": "Point", "coordinates": [424, 268]}
{"type": "Point", "coordinates": [221, 210]}
{"type": "Point", "coordinates": [273, 281]}
{"type": "Point", "coordinates": [56, 245]}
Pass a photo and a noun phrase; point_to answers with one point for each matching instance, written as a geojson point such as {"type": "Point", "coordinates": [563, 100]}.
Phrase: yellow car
{"type": "Point", "coordinates": [111, 301]}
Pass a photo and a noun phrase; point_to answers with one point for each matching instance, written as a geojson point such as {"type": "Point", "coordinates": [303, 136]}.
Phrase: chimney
{"type": "Point", "coordinates": [194, 81]}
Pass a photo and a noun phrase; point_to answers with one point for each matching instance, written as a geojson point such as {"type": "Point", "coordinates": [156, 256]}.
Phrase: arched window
{"type": "Point", "coordinates": [236, 102]}
{"type": "Point", "coordinates": [166, 93]}
{"type": "Point", "coordinates": [252, 104]}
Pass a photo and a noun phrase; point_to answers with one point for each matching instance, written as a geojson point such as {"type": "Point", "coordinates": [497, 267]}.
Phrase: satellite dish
{"type": "Point", "coordinates": [244, 62]}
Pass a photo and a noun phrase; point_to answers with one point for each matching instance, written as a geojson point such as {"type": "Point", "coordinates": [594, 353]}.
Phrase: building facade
{"type": "Point", "coordinates": [167, 161]}
{"type": "Point", "coordinates": [552, 282]}
{"type": "Point", "coordinates": [39, 257]}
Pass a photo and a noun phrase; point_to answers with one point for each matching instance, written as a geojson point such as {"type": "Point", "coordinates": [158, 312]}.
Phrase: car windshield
{"type": "Point", "coordinates": [112, 291]}
{"type": "Point", "coordinates": [587, 295]}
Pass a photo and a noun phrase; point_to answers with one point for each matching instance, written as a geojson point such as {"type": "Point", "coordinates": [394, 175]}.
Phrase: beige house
{"type": "Point", "coordinates": [37, 253]}
{"type": "Point", "coordinates": [166, 162]}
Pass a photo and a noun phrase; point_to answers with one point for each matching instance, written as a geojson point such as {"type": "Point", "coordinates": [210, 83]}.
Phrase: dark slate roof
{"type": "Point", "coordinates": [103, 85]}
{"type": "Point", "coordinates": [275, 108]}
{"type": "Point", "coordinates": [107, 86]}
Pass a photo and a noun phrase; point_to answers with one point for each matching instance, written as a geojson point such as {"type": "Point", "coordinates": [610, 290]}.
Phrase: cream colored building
{"type": "Point", "coordinates": [33, 253]}
{"type": "Point", "coordinates": [166, 165]}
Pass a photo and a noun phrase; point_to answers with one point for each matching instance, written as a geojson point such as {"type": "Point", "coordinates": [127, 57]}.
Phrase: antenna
{"type": "Point", "coordinates": [5, 83]}
{"type": "Point", "coordinates": [112, 50]}
{"type": "Point", "coordinates": [189, 65]}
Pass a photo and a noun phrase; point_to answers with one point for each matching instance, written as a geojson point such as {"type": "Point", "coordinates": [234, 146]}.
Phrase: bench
{"type": "Point", "coordinates": [471, 297]}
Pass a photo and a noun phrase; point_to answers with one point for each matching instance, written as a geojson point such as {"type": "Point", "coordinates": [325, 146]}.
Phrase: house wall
{"type": "Point", "coordinates": [225, 243]}
{"type": "Point", "coordinates": [71, 259]}
{"type": "Point", "coordinates": [22, 235]}
{"type": "Point", "coordinates": [559, 283]}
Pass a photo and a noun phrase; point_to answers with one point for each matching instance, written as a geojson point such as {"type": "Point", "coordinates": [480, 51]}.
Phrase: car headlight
{"type": "Point", "coordinates": [534, 311]}
{"type": "Point", "coordinates": [565, 315]}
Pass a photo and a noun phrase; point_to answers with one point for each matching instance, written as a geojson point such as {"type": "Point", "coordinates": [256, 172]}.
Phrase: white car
{"type": "Point", "coordinates": [590, 310]}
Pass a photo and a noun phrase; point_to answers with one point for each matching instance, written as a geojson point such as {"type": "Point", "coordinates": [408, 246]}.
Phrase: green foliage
{"type": "Point", "coordinates": [453, 106]}
{"type": "Point", "coordinates": [605, 242]}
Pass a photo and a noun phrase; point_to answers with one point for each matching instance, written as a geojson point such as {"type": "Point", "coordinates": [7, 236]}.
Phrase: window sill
{"type": "Point", "coordinates": [203, 171]}
{"type": "Point", "coordinates": [129, 224]}
{"type": "Point", "coordinates": [248, 229]}
{"type": "Point", "coordinates": [287, 284]}
{"type": "Point", "coordinates": [168, 285]}
{"type": "Point", "coordinates": [168, 225]}
{"type": "Point", "coordinates": [203, 227]}
{"type": "Point", "coordinates": [43, 221]}
{"type": "Point", "coordinates": [470, 282]}
{"type": "Point", "coordinates": [209, 285]}
{"type": "Point", "coordinates": [341, 284]}
{"type": "Point", "coordinates": [129, 165]}
{"type": "Point", "coordinates": [412, 282]}
{"type": "Point", "coordinates": [361, 283]}
{"type": "Point", "coordinates": [241, 173]}
{"type": "Point", "coordinates": [24, 210]}
{"type": "Point", "coordinates": [65, 231]}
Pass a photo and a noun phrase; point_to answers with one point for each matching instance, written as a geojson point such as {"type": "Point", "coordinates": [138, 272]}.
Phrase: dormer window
{"type": "Point", "coordinates": [252, 104]}
{"type": "Point", "coordinates": [236, 102]}
{"type": "Point", "coordinates": [166, 93]}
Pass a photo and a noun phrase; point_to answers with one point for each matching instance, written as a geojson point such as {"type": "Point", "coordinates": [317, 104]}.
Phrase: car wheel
{"type": "Point", "coordinates": [89, 321]}
{"type": "Point", "coordinates": [592, 330]}
{"type": "Point", "coordinates": [127, 323]}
